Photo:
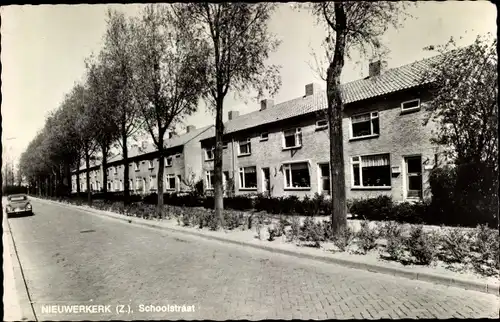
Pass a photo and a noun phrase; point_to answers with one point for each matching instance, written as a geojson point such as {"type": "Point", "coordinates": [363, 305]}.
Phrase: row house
{"type": "Point", "coordinates": [182, 165]}
{"type": "Point", "coordinates": [283, 149]}
{"type": "Point", "coordinates": [95, 177]}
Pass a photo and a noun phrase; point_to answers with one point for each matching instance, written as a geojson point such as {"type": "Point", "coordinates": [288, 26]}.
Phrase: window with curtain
{"type": "Point", "coordinates": [371, 171]}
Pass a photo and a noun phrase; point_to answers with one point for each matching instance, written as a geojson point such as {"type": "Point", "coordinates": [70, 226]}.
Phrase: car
{"type": "Point", "coordinates": [18, 204]}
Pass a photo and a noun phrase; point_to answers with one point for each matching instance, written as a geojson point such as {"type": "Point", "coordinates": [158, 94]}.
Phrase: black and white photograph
{"type": "Point", "coordinates": [328, 160]}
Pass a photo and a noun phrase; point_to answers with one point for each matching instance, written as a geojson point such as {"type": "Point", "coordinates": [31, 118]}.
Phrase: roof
{"type": "Point", "coordinates": [170, 143]}
{"type": "Point", "coordinates": [392, 80]}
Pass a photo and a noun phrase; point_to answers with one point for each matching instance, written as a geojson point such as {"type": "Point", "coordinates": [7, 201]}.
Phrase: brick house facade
{"type": "Point", "coordinates": [283, 149]}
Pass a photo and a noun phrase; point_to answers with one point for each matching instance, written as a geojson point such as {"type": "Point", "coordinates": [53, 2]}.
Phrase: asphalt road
{"type": "Point", "coordinates": [70, 257]}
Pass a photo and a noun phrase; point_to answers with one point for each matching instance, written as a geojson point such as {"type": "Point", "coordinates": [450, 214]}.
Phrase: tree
{"type": "Point", "coordinates": [101, 107]}
{"type": "Point", "coordinates": [117, 55]}
{"type": "Point", "coordinates": [84, 127]}
{"type": "Point", "coordinates": [465, 101]}
{"type": "Point", "coordinates": [464, 106]}
{"type": "Point", "coordinates": [239, 43]}
{"type": "Point", "coordinates": [169, 74]}
{"type": "Point", "coordinates": [351, 26]}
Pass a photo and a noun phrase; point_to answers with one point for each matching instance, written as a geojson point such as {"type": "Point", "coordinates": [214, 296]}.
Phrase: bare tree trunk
{"type": "Point", "coordinates": [335, 109]}
{"type": "Point", "coordinates": [126, 192]}
{"type": "Point", "coordinates": [67, 172]}
{"type": "Point", "coordinates": [87, 176]}
{"type": "Point", "coordinates": [161, 168]}
{"type": "Point", "coordinates": [78, 178]}
{"type": "Point", "coordinates": [218, 189]}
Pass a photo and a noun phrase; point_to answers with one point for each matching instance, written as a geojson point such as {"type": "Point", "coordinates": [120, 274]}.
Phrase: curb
{"type": "Point", "coordinates": [406, 273]}
{"type": "Point", "coordinates": [24, 310]}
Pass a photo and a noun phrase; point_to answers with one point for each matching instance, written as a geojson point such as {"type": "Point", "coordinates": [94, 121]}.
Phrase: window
{"type": "Point", "coordinates": [244, 147]}
{"type": "Point", "coordinates": [371, 171]}
{"type": "Point", "coordinates": [131, 184]}
{"type": "Point", "coordinates": [152, 182]}
{"type": "Point", "coordinates": [170, 182]}
{"type": "Point", "coordinates": [110, 188]}
{"type": "Point", "coordinates": [117, 185]}
{"type": "Point", "coordinates": [138, 184]}
{"type": "Point", "coordinates": [412, 105]}
{"type": "Point", "coordinates": [115, 170]}
{"type": "Point", "coordinates": [297, 175]}
{"type": "Point", "coordinates": [136, 166]}
{"type": "Point", "coordinates": [209, 153]}
{"type": "Point", "coordinates": [224, 144]}
{"type": "Point", "coordinates": [324, 177]}
{"type": "Point", "coordinates": [366, 124]}
{"type": "Point", "coordinates": [210, 179]}
{"type": "Point", "coordinates": [248, 178]}
{"type": "Point", "coordinates": [151, 164]}
{"type": "Point", "coordinates": [121, 185]}
{"type": "Point", "coordinates": [168, 161]}
{"type": "Point", "coordinates": [322, 124]}
{"type": "Point", "coordinates": [264, 136]}
{"type": "Point", "coordinates": [292, 138]}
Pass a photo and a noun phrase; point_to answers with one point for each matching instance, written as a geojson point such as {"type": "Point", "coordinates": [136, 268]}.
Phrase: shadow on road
{"type": "Point", "coordinates": [20, 215]}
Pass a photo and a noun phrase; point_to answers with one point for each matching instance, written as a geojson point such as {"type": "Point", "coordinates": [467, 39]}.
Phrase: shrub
{"type": "Point", "coordinates": [343, 238]}
{"type": "Point", "coordinates": [273, 232]}
{"type": "Point", "coordinates": [282, 225]}
{"type": "Point", "coordinates": [311, 231]}
{"type": "Point", "coordinates": [294, 232]}
{"type": "Point", "coordinates": [412, 213]}
{"type": "Point", "coordinates": [367, 237]}
{"type": "Point", "coordinates": [485, 245]}
{"type": "Point", "coordinates": [456, 245]}
{"type": "Point", "coordinates": [232, 219]}
{"type": "Point", "coordinates": [393, 234]}
{"type": "Point", "coordinates": [379, 208]}
{"type": "Point", "coordinates": [422, 245]}
{"type": "Point", "coordinates": [327, 230]}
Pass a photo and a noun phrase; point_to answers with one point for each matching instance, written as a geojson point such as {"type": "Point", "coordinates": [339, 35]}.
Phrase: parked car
{"type": "Point", "coordinates": [18, 204]}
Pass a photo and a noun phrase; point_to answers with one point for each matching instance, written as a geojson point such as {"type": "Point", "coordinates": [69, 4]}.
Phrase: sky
{"type": "Point", "coordinates": [44, 48]}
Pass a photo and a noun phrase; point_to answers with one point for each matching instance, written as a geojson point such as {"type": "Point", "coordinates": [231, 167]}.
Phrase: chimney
{"type": "Point", "coordinates": [376, 68]}
{"type": "Point", "coordinates": [190, 128]}
{"type": "Point", "coordinates": [312, 89]}
{"type": "Point", "coordinates": [232, 114]}
{"type": "Point", "coordinates": [265, 104]}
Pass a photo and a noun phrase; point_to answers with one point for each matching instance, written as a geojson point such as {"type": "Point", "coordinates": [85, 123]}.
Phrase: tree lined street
{"type": "Point", "coordinates": [72, 257]}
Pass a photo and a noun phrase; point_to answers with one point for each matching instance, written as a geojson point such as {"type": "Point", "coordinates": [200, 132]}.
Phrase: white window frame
{"type": "Point", "coordinates": [152, 185]}
{"type": "Point", "coordinates": [412, 108]}
{"type": "Point", "coordinates": [320, 177]}
{"type": "Point", "coordinates": [151, 164]}
{"type": "Point", "coordinates": [167, 181]}
{"type": "Point", "coordinates": [288, 166]}
{"type": "Point", "coordinates": [167, 163]}
{"type": "Point", "coordinates": [359, 162]}
{"type": "Point", "coordinates": [244, 142]}
{"type": "Point", "coordinates": [208, 182]}
{"type": "Point", "coordinates": [211, 149]}
{"type": "Point", "coordinates": [373, 115]}
{"type": "Point", "coordinates": [321, 127]}
{"type": "Point", "coordinates": [298, 133]}
{"type": "Point", "coordinates": [264, 136]}
{"type": "Point", "coordinates": [241, 180]}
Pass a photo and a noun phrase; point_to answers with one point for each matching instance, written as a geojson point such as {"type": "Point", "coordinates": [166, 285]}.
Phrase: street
{"type": "Point", "coordinates": [70, 257]}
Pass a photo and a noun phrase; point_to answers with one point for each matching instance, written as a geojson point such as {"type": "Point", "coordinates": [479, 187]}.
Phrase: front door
{"type": "Point", "coordinates": [414, 177]}
{"type": "Point", "coordinates": [266, 180]}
